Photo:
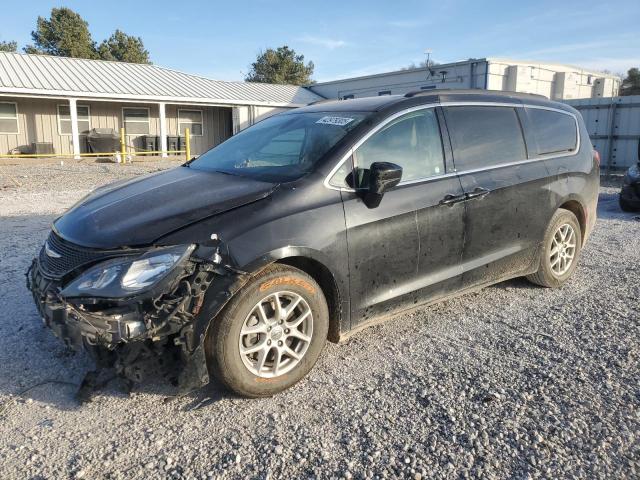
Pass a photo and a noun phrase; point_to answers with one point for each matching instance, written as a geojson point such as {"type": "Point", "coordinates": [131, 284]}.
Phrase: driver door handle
{"type": "Point", "coordinates": [478, 193]}
{"type": "Point", "coordinates": [452, 199]}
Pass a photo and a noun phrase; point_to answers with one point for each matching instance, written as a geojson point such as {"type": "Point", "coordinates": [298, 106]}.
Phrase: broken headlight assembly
{"type": "Point", "coordinates": [124, 277]}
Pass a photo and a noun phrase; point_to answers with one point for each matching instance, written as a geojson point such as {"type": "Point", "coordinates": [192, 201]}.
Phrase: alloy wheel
{"type": "Point", "coordinates": [276, 334]}
{"type": "Point", "coordinates": [563, 249]}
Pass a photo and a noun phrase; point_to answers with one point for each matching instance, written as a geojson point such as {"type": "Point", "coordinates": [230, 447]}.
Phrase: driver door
{"type": "Point", "coordinates": [409, 247]}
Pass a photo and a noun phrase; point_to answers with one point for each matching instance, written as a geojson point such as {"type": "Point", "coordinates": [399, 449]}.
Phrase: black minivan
{"type": "Point", "coordinates": [311, 225]}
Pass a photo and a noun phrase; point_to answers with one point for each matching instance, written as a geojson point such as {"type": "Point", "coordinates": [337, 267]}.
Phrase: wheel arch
{"type": "Point", "coordinates": [324, 277]}
{"type": "Point", "coordinates": [577, 208]}
{"type": "Point", "coordinates": [318, 266]}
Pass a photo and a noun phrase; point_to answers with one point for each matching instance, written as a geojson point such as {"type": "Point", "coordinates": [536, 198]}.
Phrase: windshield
{"type": "Point", "coordinates": [280, 148]}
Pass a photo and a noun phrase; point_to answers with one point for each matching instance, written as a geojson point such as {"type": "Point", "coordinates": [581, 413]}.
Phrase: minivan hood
{"type": "Point", "coordinates": [140, 211]}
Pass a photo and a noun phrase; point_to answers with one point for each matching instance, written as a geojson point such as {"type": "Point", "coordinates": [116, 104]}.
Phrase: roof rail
{"type": "Point", "coordinates": [420, 93]}
{"type": "Point", "coordinates": [436, 91]}
{"type": "Point", "coordinates": [324, 100]}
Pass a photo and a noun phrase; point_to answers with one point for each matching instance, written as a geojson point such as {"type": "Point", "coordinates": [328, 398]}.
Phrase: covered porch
{"type": "Point", "coordinates": [59, 126]}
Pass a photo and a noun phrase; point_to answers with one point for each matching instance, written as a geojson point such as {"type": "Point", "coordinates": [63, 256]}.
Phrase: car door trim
{"type": "Point", "coordinates": [389, 119]}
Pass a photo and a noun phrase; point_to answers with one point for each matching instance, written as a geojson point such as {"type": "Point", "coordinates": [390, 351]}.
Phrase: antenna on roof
{"type": "Point", "coordinates": [427, 53]}
{"type": "Point", "coordinates": [429, 63]}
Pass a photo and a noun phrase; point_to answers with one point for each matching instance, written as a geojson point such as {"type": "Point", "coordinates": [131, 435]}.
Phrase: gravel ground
{"type": "Point", "coordinates": [512, 382]}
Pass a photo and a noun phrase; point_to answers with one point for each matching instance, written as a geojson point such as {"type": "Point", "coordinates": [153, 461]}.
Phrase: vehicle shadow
{"type": "Point", "coordinates": [519, 283]}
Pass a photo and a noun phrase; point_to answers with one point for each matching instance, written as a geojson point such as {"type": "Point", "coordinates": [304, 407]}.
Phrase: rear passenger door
{"type": "Point", "coordinates": [507, 191]}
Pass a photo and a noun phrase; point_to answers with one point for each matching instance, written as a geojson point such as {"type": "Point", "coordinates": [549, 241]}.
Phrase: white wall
{"type": "Point", "coordinates": [553, 81]}
{"type": "Point", "coordinates": [459, 75]}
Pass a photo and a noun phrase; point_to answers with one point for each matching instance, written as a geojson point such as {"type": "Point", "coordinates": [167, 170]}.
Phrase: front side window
{"type": "Point", "coordinates": [484, 136]}
{"type": "Point", "coordinates": [136, 121]}
{"type": "Point", "coordinates": [191, 119]}
{"type": "Point", "coordinates": [411, 141]}
{"type": "Point", "coordinates": [9, 117]}
{"type": "Point", "coordinates": [64, 119]}
{"type": "Point", "coordinates": [280, 148]}
{"type": "Point", "coordinates": [554, 132]}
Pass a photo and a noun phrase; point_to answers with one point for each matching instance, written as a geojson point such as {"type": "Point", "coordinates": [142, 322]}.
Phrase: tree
{"type": "Point", "coordinates": [64, 34]}
{"type": "Point", "coordinates": [423, 64]}
{"type": "Point", "coordinates": [281, 66]}
{"type": "Point", "coordinates": [631, 84]}
{"type": "Point", "coordinates": [121, 47]}
{"type": "Point", "coordinates": [8, 46]}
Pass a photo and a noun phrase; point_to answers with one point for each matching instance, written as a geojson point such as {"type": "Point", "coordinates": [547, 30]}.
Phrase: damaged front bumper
{"type": "Point", "coordinates": [165, 327]}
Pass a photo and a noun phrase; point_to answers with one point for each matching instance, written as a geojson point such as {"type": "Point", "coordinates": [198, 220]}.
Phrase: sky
{"type": "Point", "coordinates": [346, 38]}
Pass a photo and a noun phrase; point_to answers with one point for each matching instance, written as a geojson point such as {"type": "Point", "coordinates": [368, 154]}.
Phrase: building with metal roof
{"type": "Point", "coordinates": [50, 104]}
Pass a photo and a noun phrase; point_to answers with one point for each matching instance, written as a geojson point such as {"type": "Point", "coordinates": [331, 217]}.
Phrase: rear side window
{"type": "Point", "coordinates": [554, 132]}
{"type": "Point", "coordinates": [411, 141]}
{"type": "Point", "coordinates": [485, 136]}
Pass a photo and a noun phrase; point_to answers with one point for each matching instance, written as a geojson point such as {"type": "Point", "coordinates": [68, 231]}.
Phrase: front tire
{"type": "Point", "coordinates": [270, 334]}
{"type": "Point", "coordinates": [560, 250]}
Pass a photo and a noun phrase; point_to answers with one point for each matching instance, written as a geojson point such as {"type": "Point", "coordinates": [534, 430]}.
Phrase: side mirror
{"type": "Point", "coordinates": [383, 176]}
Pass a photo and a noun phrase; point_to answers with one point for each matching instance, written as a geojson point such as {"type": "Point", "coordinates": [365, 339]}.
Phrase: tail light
{"type": "Point", "coordinates": [596, 157]}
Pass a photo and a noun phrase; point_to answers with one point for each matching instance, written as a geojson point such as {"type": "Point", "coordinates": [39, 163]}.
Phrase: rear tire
{"type": "Point", "coordinates": [560, 250]}
{"type": "Point", "coordinates": [257, 347]}
{"type": "Point", "coordinates": [625, 206]}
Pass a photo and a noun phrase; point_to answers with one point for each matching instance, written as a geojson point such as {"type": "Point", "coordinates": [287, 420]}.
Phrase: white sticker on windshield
{"type": "Point", "coordinates": [340, 121]}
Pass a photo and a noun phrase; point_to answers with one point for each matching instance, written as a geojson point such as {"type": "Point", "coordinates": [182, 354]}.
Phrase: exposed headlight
{"type": "Point", "coordinates": [123, 277]}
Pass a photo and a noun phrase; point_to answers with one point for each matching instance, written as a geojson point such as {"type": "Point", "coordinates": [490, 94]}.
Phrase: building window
{"type": "Point", "coordinates": [64, 119]}
{"type": "Point", "coordinates": [136, 121]}
{"type": "Point", "coordinates": [9, 117]}
{"type": "Point", "coordinates": [347, 97]}
{"type": "Point", "coordinates": [191, 119]}
{"type": "Point", "coordinates": [384, 92]}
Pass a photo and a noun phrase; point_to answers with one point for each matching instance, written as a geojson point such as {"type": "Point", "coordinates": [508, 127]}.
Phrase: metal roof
{"type": "Point", "coordinates": [75, 77]}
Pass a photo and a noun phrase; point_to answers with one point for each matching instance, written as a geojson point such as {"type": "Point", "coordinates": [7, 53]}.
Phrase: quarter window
{"type": "Point", "coordinates": [136, 121]}
{"type": "Point", "coordinates": [554, 132]}
{"type": "Point", "coordinates": [343, 176]}
{"type": "Point", "coordinates": [9, 118]}
{"type": "Point", "coordinates": [485, 136]}
{"type": "Point", "coordinates": [411, 141]}
{"type": "Point", "coordinates": [64, 119]}
{"type": "Point", "coordinates": [191, 119]}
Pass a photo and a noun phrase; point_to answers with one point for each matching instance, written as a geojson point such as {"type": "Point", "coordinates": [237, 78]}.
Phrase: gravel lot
{"type": "Point", "coordinates": [512, 382]}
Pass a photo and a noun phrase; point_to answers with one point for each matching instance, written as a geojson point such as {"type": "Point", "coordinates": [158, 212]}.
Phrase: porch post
{"type": "Point", "coordinates": [75, 136]}
{"type": "Point", "coordinates": [163, 130]}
